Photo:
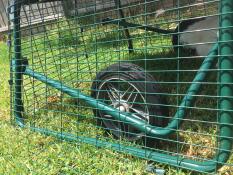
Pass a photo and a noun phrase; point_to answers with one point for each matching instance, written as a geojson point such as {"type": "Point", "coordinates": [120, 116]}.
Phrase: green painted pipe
{"type": "Point", "coordinates": [18, 104]}
{"type": "Point", "coordinates": [225, 104]}
{"type": "Point", "coordinates": [204, 166]}
{"type": "Point", "coordinates": [141, 125]}
{"type": "Point", "coordinates": [226, 80]}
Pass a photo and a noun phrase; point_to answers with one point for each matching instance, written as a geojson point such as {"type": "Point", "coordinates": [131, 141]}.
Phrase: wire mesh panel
{"type": "Point", "coordinates": [151, 78]}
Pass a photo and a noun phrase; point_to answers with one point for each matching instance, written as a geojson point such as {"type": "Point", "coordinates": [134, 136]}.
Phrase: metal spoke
{"type": "Point", "coordinates": [130, 95]}
{"type": "Point", "coordinates": [127, 91]}
{"type": "Point", "coordinates": [134, 97]}
{"type": "Point", "coordinates": [141, 113]}
{"type": "Point", "coordinates": [111, 96]}
{"type": "Point", "coordinates": [124, 97]}
{"type": "Point", "coordinates": [114, 92]}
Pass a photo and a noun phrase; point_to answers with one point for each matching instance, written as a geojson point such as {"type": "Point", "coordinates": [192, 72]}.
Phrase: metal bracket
{"type": "Point", "coordinates": [24, 64]}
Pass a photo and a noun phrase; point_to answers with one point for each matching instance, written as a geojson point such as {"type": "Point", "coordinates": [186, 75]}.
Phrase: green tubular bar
{"type": "Point", "coordinates": [225, 117]}
{"type": "Point", "coordinates": [18, 104]}
{"type": "Point", "coordinates": [187, 101]}
{"type": "Point", "coordinates": [206, 166]}
{"type": "Point", "coordinates": [226, 80]}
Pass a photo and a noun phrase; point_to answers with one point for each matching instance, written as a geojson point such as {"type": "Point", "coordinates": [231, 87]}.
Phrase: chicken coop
{"type": "Point", "coordinates": [150, 78]}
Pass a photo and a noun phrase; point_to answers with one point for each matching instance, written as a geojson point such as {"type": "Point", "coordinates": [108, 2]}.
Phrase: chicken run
{"type": "Point", "coordinates": [150, 78]}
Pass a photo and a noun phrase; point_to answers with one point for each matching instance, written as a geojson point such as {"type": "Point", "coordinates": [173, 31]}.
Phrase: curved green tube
{"type": "Point", "coordinates": [141, 125]}
{"type": "Point", "coordinates": [225, 117]}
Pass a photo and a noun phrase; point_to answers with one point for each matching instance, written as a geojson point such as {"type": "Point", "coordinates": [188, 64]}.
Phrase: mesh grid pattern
{"type": "Point", "coordinates": [107, 50]}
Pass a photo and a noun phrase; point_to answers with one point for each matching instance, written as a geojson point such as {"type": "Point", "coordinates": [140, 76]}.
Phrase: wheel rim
{"type": "Point", "coordinates": [126, 97]}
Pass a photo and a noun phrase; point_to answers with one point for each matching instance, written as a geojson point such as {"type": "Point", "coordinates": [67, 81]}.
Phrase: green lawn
{"type": "Point", "coordinates": [26, 152]}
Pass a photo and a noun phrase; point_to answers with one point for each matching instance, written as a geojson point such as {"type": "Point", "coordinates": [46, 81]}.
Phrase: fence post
{"type": "Point", "coordinates": [226, 80]}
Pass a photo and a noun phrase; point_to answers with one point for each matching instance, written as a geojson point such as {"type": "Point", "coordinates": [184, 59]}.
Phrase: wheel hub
{"type": "Point", "coordinates": [122, 106]}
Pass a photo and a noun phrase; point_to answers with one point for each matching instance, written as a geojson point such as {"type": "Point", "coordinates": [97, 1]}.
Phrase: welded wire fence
{"type": "Point", "coordinates": [149, 78]}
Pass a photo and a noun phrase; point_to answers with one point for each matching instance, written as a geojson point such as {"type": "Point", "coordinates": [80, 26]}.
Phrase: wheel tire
{"type": "Point", "coordinates": [144, 84]}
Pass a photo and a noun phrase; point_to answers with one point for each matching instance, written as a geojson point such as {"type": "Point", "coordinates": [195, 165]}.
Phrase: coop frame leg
{"type": "Point", "coordinates": [225, 118]}
{"type": "Point", "coordinates": [126, 30]}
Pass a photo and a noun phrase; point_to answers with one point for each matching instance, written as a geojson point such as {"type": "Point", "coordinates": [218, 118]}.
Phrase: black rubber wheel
{"type": "Point", "coordinates": [129, 88]}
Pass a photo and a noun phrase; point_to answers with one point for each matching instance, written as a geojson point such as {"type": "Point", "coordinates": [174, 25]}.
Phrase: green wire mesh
{"type": "Point", "coordinates": [106, 50]}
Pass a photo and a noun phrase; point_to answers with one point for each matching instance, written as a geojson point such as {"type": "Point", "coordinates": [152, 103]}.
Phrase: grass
{"type": "Point", "coordinates": [26, 152]}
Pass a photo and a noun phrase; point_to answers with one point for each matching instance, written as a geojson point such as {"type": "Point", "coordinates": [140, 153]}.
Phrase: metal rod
{"type": "Point", "coordinates": [18, 103]}
{"type": "Point", "coordinates": [138, 26]}
{"type": "Point", "coordinates": [187, 101]}
{"type": "Point", "coordinates": [203, 166]}
{"type": "Point", "coordinates": [226, 80]}
{"type": "Point", "coordinates": [126, 30]}
{"type": "Point", "coordinates": [226, 119]}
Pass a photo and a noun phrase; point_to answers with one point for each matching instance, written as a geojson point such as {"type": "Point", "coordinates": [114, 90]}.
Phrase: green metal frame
{"type": "Point", "coordinates": [223, 47]}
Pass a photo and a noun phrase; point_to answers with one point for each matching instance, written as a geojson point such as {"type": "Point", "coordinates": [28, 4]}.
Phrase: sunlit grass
{"type": "Point", "coordinates": [26, 152]}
